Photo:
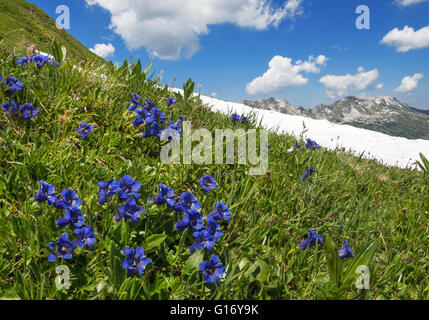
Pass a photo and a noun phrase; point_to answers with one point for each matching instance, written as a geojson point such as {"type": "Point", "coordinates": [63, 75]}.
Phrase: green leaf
{"type": "Point", "coordinates": [362, 258]}
{"type": "Point", "coordinates": [57, 51]}
{"type": "Point", "coordinates": [425, 165]}
{"type": "Point", "coordinates": [117, 275]}
{"type": "Point", "coordinates": [146, 71]}
{"type": "Point", "coordinates": [263, 274]}
{"type": "Point", "coordinates": [193, 262]}
{"type": "Point", "coordinates": [335, 266]}
{"type": "Point", "coordinates": [154, 241]}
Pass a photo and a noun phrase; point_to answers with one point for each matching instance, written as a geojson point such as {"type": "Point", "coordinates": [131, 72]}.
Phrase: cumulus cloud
{"type": "Point", "coordinates": [103, 50]}
{"type": "Point", "coordinates": [170, 29]}
{"type": "Point", "coordinates": [339, 86]}
{"type": "Point", "coordinates": [407, 39]}
{"type": "Point", "coordinates": [379, 86]}
{"type": "Point", "coordinates": [283, 73]}
{"type": "Point", "coordinates": [409, 83]}
{"type": "Point", "coordinates": [405, 3]}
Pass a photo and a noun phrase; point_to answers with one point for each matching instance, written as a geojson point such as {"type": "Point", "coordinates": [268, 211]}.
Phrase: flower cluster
{"type": "Point", "coordinates": [39, 59]}
{"type": "Point", "coordinates": [12, 83]}
{"type": "Point", "coordinates": [84, 129]}
{"type": "Point", "coordinates": [236, 118]}
{"type": "Point", "coordinates": [205, 236]}
{"type": "Point", "coordinates": [135, 261]}
{"type": "Point", "coordinates": [126, 189]}
{"type": "Point", "coordinates": [310, 145]}
{"type": "Point", "coordinates": [73, 216]}
{"type": "Point", "coordinates": [149, 114]}
{"type": "Point", "coordinates": [308, 172]}
{"type": "Point", "coordinates": [27, 110]}
{"type": "Point", "coordinates": [313, 237]}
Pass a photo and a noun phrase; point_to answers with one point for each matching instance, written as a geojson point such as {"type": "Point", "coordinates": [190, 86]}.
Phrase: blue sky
{"type": "Point", "coordinates": [226, 46]}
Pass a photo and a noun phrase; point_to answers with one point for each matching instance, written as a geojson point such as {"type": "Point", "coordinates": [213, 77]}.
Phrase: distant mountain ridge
{"type": "Point", "coordinates": [383, 114]}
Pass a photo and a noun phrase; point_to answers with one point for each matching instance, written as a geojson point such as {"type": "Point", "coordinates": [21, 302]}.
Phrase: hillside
{"type": "Point", "coordinates": [382, 114]}
{"type": "Point", "coordinates": [23, 24]}
{"type": "Point", "coordinates": [83, 187]}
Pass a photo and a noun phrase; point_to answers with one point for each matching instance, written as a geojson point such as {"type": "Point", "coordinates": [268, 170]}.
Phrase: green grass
{"type": "Point", "coordinates": [347, 198]}
{"type": "Point", "coordinates": [23, 25]}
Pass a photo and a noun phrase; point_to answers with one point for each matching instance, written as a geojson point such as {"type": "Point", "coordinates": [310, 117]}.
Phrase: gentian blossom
{"type": "Point", "coordinates": [129, 210]}
{"type": "Point", "coordinates": [134, 102]}
{"type": "Point", "coordinates": [311, 145]}
{"type": "Point", "coordinates": [64, 248]}
{"type": "Point", "coordinates": [212, 269]}
{"type": "Point", "coordinates": [85, 237]}
{"type": "Point", "coordinates": [135, 261]}
{"type": "Point", "coordinates": [84, 129]}
{"type": "Point", "coordinates": [311, 240]}
{"type": "Point", "coordinates": [165, 196]}
{"type": "Point", "coordinates": [220, 213]}
{"type": "Point", "coordinates": [345, 252]}
{"type": "Point", "coordinates": [68, 200]}
{"type": "Point", "coordinates": [192, 219]}
{"type": "Point", "coordinates": [107, 190]}
{"type": "Point", "coordinates": [171, 101]}
{"type": "Point", "coordinates": [72, 216]}
{"type": "Point", "coordinates": [10, 107]}
{"type": "Point", "coordinates": [46, 193]}
{"type": "Point", "coordinates": [207, 183]}
{"type": "Point", "coordinates": [127, 187]}
{"type": "Point", "coordinates": [28, 111]}
{"type": "Point", "coordinates": [14, 84]}
{"type": "Point", "coordinates": [204, 240]}
{"type": "Point", "coordinates": [214, 228]}
{"type": "Point", "coordinates": [308, 171]}
{"type": "Point", "coordinates": [235, 117]}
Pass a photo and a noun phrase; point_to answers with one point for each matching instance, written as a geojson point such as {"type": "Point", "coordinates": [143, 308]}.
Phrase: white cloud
{"type": "Point", "coordinates": [339, 86]}
{"type": "Point", "coordinates": [407, 39]}
{"type": "Point", "coordinates": [283, 73]}
{"type": "Point", "coordinates": [405, 3]}
{"type": "Point", "coordinates": [103, 50]}
{"type": "Point", "coordinates": [409, 84]}
{"type": "Point", "coordinates": [379, 86]}
{"type": "Point", "coordinates": [170, 29]}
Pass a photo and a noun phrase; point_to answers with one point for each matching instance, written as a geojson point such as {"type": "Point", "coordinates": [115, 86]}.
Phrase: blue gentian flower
{"type": "Point", "coordinates": [135, 261]}
{"type": "Point", "coordinates": [127, 187]}
{"type": "Point", "coordinates": [189, 201]}
{"type": "Point", "coordinates": [72, 216]}
{"type": "Point", "coordinates": [204, 240]}
{"type": "Point", "coordinates": [10, 107]}
{"type": "Point", "coordinates": [308, 171]}
{"type": "Point", "coordinates": [212, 269]}
{"type": "Point", "coordinates": [107, 190]}
{"type": "Point", "coordinates": [192, 219]}
{"type": "Point", "coordinates": [311, 240]}
{"type": "Point", "coordinates": [68, 200]}
{"type": "Point", "coordinates": [165, 196]}
{"type": "Point", "coordinates": [23, 61]}
{"type": "Point", "coordinates": [220, 213]}
{"type": "Point", "coordinates": [85, 129]}
{"type": "Point", "coordinates": [235, 117]}
{"type": "Point", "coordinates": [129, 210]}
{"type": "Point", "coordinates": [155, 130]}
{"type": "Point", "coordinates": [134, 102]}
{"type": "Point", "coordinates": [46, 193]}
{"type": "Point", "coordinates": [214, 228]}
{"type": "Point", "coordinates": [158, 115]}
{"type": "Point", "coordinates": [85, 237]}
{"type": "Point", "coordinates": [14, 84]}
{"type": "Point", "coordinates": [345, 252]}
{"type": "Point", "coordinates": [28, 111]}
{"type": "Point", "coordinates": [207, 183]}
{"type": "Point", "coordinates": [171, 101]}
{"type": "Point", "coordinates": [64, 247]}
{"type": "Point", "coordinates": [311, 145]}
{"type": "Point", "coordinates": [243, 119]}
{"type": "Point", "coordinates": [143, 116]}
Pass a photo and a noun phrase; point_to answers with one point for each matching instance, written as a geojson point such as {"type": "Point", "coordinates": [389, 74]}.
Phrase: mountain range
{"type": "Point", "coordinates": [383, 114]}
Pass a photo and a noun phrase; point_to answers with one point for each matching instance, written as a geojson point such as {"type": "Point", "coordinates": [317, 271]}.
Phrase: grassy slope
{"type": "Point", "coordinates": [23, 24]}
{"type": "Point", "coordinates": [348, 198]}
